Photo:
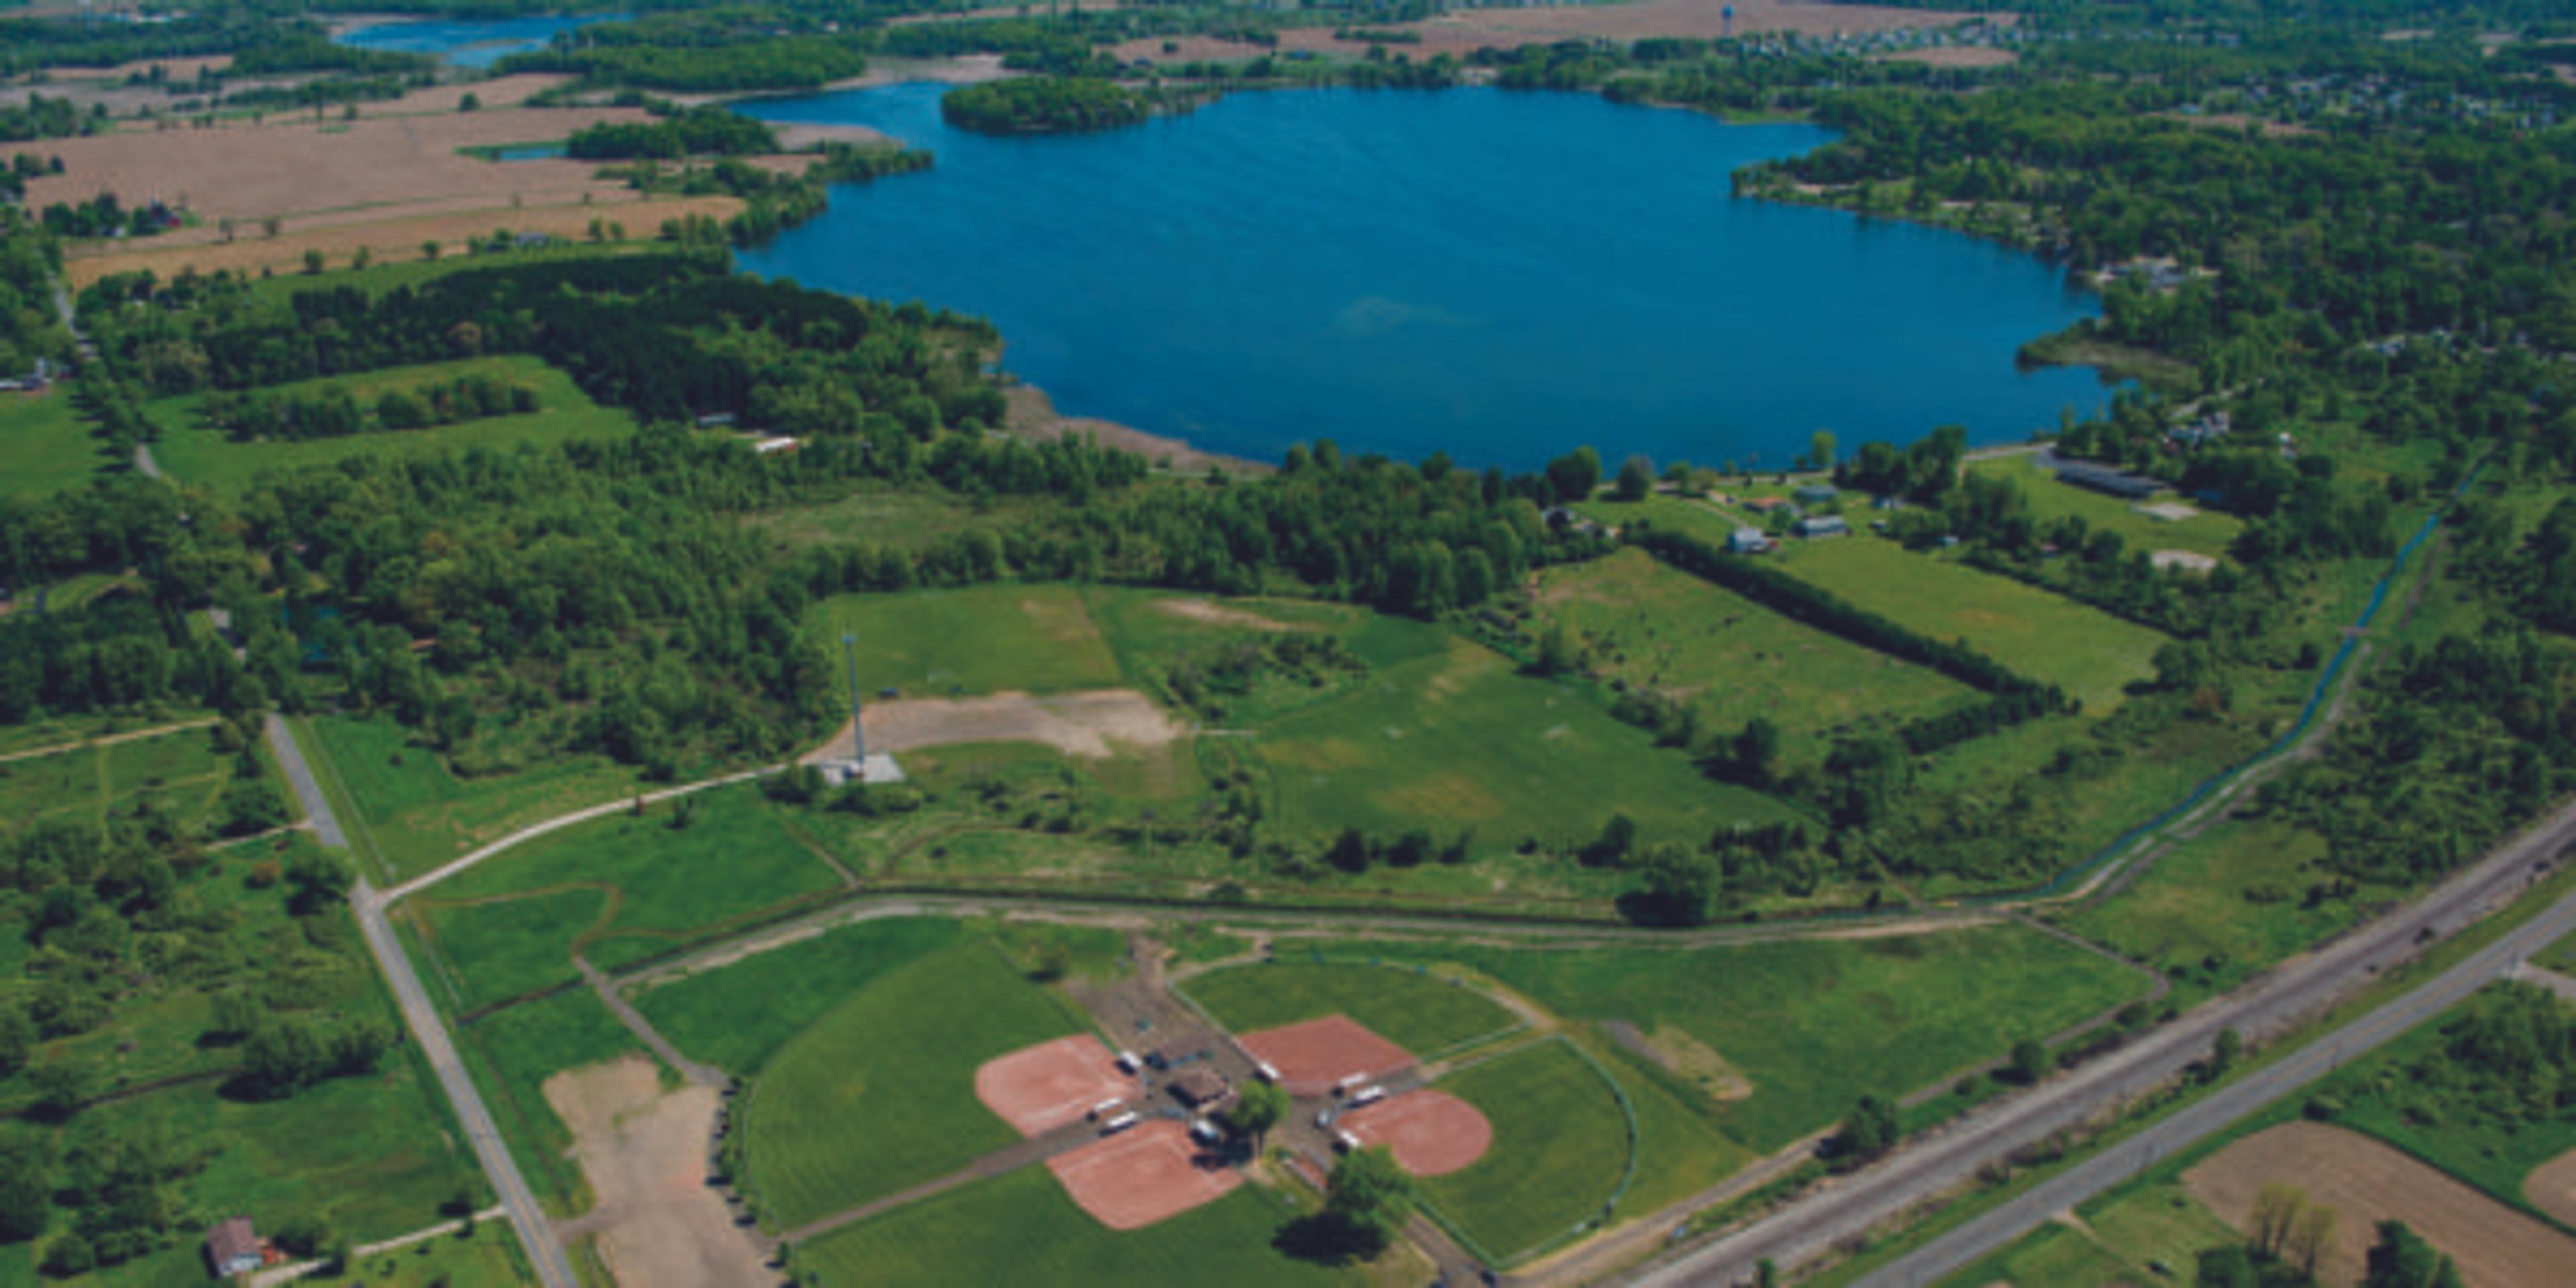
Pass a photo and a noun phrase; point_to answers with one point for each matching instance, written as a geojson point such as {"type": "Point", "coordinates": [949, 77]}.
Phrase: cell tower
{"type": "Point", "coordinates": [858, 731]}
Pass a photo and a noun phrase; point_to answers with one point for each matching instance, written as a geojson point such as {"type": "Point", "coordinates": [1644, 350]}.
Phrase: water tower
{"type": "Point", "coordinates": [1727, 14]}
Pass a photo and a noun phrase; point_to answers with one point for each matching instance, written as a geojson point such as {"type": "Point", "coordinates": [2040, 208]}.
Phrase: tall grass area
{"type": "Point", "coordinates": [997, 1231]}
{"type": "Point", "coordinates": [194, 453]}
{"type": "Point", "coordinates": [45, 446]}
{"type": "Point", "coordinates": [982, 639]}
{"type": "Point", "coordinates": [879, 1093]}
{"type": "Point", "coordinates": [182, 771]}
{"type": "Point", "coordinates": [1423, 1013]}
{"type": "Point", "coordinates": [399, 799]}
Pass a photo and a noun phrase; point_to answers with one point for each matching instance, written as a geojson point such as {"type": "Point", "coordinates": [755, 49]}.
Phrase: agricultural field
{"type": "Point", "coordinates": [618, 889]}
{"type": "Point", "coordinates": [1554, 1116]}
{"type": "Point", "coordinates": [994, 1231]}
{"type": "Point", "coordinates": [979, 640]}
{"type": "Point", "coordinates": [403, 805]}
{"type": "Point", "coordinates": [1781, 1038]}
{"type": "Point", "coordinates": [2205, 533]}
{"type": "Point", "coordinates": [196, 453]}
{"type": "Point", "coordinates": [1729, 658]}
{"type": "Point", "coordinates": [45, 446]}
{"type": "Point", "coordinates": [1422, 1013]}
{"type": "Point", "coordinates": [879, 1093]}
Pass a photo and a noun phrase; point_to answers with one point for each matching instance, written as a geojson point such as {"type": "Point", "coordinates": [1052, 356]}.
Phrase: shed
{"type": "Point", "coordinates": [1201, 1086]}
{"type": "Point", "coordinates": [1823, 525]}
{"type": "Point", "coordinates": [2102, 478]}
{"type": "Point", "coordinates": [1748, 541]}
{"type": "Point", "coordinates": [232, 1247]}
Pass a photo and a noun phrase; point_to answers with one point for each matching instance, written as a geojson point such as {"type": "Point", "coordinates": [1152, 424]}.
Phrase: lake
{"type": "Point", "coordinates": [471, 42]}
{"type": "Point", "coordinates": [1500, 275]}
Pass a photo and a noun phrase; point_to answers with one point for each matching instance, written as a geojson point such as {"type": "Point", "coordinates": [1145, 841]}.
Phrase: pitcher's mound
{"type": "Point", "coordinates": [1142, 1175]}
{"type": "Point", "coordinates": [1312, 1057]}
{"type": "Point", "coordinates": [1432, 1133]}
{"type": "Point", "coordinates": [1038, 1089]}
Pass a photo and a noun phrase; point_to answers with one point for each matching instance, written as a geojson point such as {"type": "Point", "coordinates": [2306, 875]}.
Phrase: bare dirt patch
{"type": "Point", "coordinates": [645, 1153]}
{"type": "Point", "coordinates": [1038, 1089]}
{"type": "Point", "coordinates": [1032, 415]}
{"type": "Point", "coordinates": [2551, 1187]}
{"type": "Point", "coordinates": [1313, 1056]}
{"type": "Point", "coordinates": [1077, 724]}
{"type": "Point", "coordinates": [2187, 560]}
{"type": "Point", "coordinates": [1216, 614]}
{"type": "Point", "coordinates": [2368, 1182]}
{"type": "Point", "coordinates": [1142, 1175]}
{"type": "Point", "coordinates": [1955, 56]}
{"type": "Point", "coordinates": [1680, 1053]}
{"type": "Point", "coordinates": [1432, 1133]}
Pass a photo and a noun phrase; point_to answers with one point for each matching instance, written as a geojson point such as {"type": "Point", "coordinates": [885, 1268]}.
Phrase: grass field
{"type": "Point", "coordinates": [1005, 1230]}
{"type": "Point", "coordinates": [2206, 533]}
{"type": "Point", "coordinates": [984, 639]}
{"type": "Point", "coordinates": [181, 770]}
{"type": "Point", "coordinates": [1460, 740]}
{"type": "Point", "coordinates": [2091, 654]}
{"type": "Point", "coordinates": [1554, 1117]}
{"type": "Point", "coordinates": [621, 887]}
{"type": "Point", "coordinates": [894, 518]}
{"type": "Point", "coordinates": [399, 801]}
{"type": "Point", "coordinates": [736, 1017]}
{"type": "Point", "coordinates": [512, 1052]}
{"type": "Point", "coordinates": [1730, 658]}
{"type": "Point", "coordinates": [1421, 1013]}
{"type": "Point", "coordinates": [1815, 1024]}
{"type": "Point", "coordinates": [2560, 956]}
{"type": "Point", "coordinates": [45, 446]}
{"type": "Point", "coordinates": [879, 1093]}
{"type": "Point", "coordinates": [194, 453]}
{"type": "Point", "coordinates": [2118, 1246]}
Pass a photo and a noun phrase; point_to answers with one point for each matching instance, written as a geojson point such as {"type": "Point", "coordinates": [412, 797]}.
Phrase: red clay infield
{"type": "Point", "coordinates": [1038, 1089]}
{"type": "Point", "coordinates": [1142, 1175]}
{"type": "Point", "coordinates": [1432, 1133]}
{"type": "Point", "coordinates": [1313, 1056]}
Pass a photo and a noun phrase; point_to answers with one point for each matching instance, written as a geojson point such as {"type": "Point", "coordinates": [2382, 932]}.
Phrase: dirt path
{"type": "Point", "coordinates": [644, 1151]}
{"type": "Point", "coordinates": [66, 748]}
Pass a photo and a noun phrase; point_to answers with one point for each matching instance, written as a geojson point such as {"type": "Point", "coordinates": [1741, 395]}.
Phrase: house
{"type": "Point", "coordinates": [1200, 1087]}
{"type": "Point", "coordinates": [716, 420]}
{"type": "Point", "coordinates": [2104, 479]}
{"type": "Point", "coordinates": [1817, 494]}
{"type": "Point", "coordinates": [232, 1248]}
{"type": "Point", "coordinates": [1748, 541]}
{"type": "Point", "coordinates": [1823, 525]}
{"type": "Point", "coordinates": [772, 445]}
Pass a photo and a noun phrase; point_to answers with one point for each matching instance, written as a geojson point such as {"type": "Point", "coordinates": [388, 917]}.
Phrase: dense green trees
{"type": "Point", "coordinates": [1044, 105]}
{"type": "Point", "coordinates": [688, 132]}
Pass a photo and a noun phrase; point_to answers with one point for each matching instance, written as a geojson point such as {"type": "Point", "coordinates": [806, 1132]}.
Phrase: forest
{"type": "Point", "coordinates": [1044, 105]}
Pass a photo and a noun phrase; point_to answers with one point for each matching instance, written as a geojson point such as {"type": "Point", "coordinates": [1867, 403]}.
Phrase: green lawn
{"type": "Point", "coordinates": [2560, 956]}
{"type": "Point", "coordinates": [879, 1094]}
{"type": "Point", "coordinates": [737, 1016]}
{"type": "Point", "coordinates": [192, 452]}
{"type": "Point", "coordinates": [1022, 1228]}
{"type": "Point", "coordinates": [399, 800]}
{"type": "Point", "coordinates": [621, 888]}
{"type": "Point", "coordinates": [1730, 658]}
{"type": "Point", "coordinates": [512, 1052]}
{"type": "Point", "coordinates": [1461, 740]}
{"type": "Point", "coordinates": [1813, 1025]}
{"type": "Point", "coordinates": [2091, 654]}
{"type": "Point", "coordinates": [2206, 533]}
{"type": "Point", "coordinates": [1553, 1117]}
{"type": "Point", "coordinates": [983, 639]}
{"type": "Point", "coordinates": [1424, 1014]}
{"type": "Point", "coordinates": [45, 446]}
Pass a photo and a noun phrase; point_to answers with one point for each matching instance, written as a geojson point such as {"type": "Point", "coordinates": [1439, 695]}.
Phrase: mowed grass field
{"type": "Point", "coordinates": [982, 639]}
{"type": "Point", "coordinates": [738, 1015]}
{"type": "Point", "coordinates": [2206, 533]}
{"type": "Point", "coordinates": [1729, 657]}
{"type": "Point", "coordinates": [2091, 654]}
{"type": "Point", "coordinates": [1460, 739]}
{"type": "Point", "coordinates": [1422, 1013]}
{"type": "Point", "coordinates": [626, 887]}
{"type": "Point", "coordinates": [1553, 1117]}
{"type": "Point", "coordinates": [1812, 1025]}
{"type": "Point", "coordinates": [192, 452]}
{"type": "Point", "coordinates": [45, 446]}
{"type": "Point", "coordinates": [879, 1094]}
{"type": "Point", "coordinates": [1022, 1228]}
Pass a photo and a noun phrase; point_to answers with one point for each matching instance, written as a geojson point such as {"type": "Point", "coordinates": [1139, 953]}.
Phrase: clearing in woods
{"type": "Point", "coordinates": [2368, 1182]}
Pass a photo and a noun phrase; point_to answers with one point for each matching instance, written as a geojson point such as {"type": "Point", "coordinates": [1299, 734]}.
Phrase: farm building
{"type": "Point", "coordinates": [1825, 525]}
{"type": "Point", "coordinates": [1817, 494]}
{"type": "Point", "coordinates": [1748, 541]}
{"type": "Point", "coordinates": [2102, 478]}
{"type": "Point", "coordinates": [1201, 1087]}
{"type": "Point", "coordinates": [232, 1247]}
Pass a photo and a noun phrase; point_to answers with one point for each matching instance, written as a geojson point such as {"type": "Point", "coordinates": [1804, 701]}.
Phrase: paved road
{"type": "Point", "coordinates": [536, 1236]}
{"type": "Point", "coordinates": [2277, 1000]}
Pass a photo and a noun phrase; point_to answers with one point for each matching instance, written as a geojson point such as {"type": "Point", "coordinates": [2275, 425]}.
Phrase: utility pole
{"type": "Point", "coordinates": [858, 732]}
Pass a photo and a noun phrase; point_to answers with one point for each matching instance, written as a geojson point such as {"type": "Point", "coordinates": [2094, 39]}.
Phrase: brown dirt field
{"type": "Point", "coordinates": [645, 1154]}
{"type": "Point", "coordinates": [1216, 614]}
{"type": "Point", "coordinates": [1432, 1133]}
{"type": "Point", "coordinates": [1038, 1089]}
{"type": "Point", "coordinates": [1142, 1175]}
{"type": "Point", "coordinates": [1956, 56]}
{"type": "Point", "coordinates": [1465, 31]}
{"type": "Point", "coordinates": [2551, 1187]}
{"type": "Point", "coordinates": [1077, 724]}
{"type": "Point", "coordinates": [177, 69]}
{"type": "Point", "coordinates": [1313, 1056]}
{"type": "Point", "coordinates": [289, 168]}
{"type": "Point", "coordinates": [339, 237]}
{"type": "Point", "coordinates": [2368, 1182]}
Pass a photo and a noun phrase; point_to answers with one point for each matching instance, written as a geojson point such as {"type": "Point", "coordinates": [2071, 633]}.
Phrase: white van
{"type": "Point", "coordinates": [1205, 1132]}
{"type": "Point", "coordinates": [1118, 1124]}
{"type": "Point", "coordinates": [1263, 1070]}
{"type": "Point", "coordinates": [1127, 1062]}
{"type": "Point", "coordinates": [1368, 1095]}
{"type": "Point", "coordinates": [1346, 1142]}
{"type": "Point", "coordinates": [1344, 1086]}
{"type": "Point", "coordinates": [1104, 1109]}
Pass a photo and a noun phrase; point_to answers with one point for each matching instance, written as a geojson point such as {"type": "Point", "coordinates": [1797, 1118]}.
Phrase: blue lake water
{"type": "Point", "coordinates": [1499, 275]}
{"type": "Point", "coordinates": [468, 43]}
